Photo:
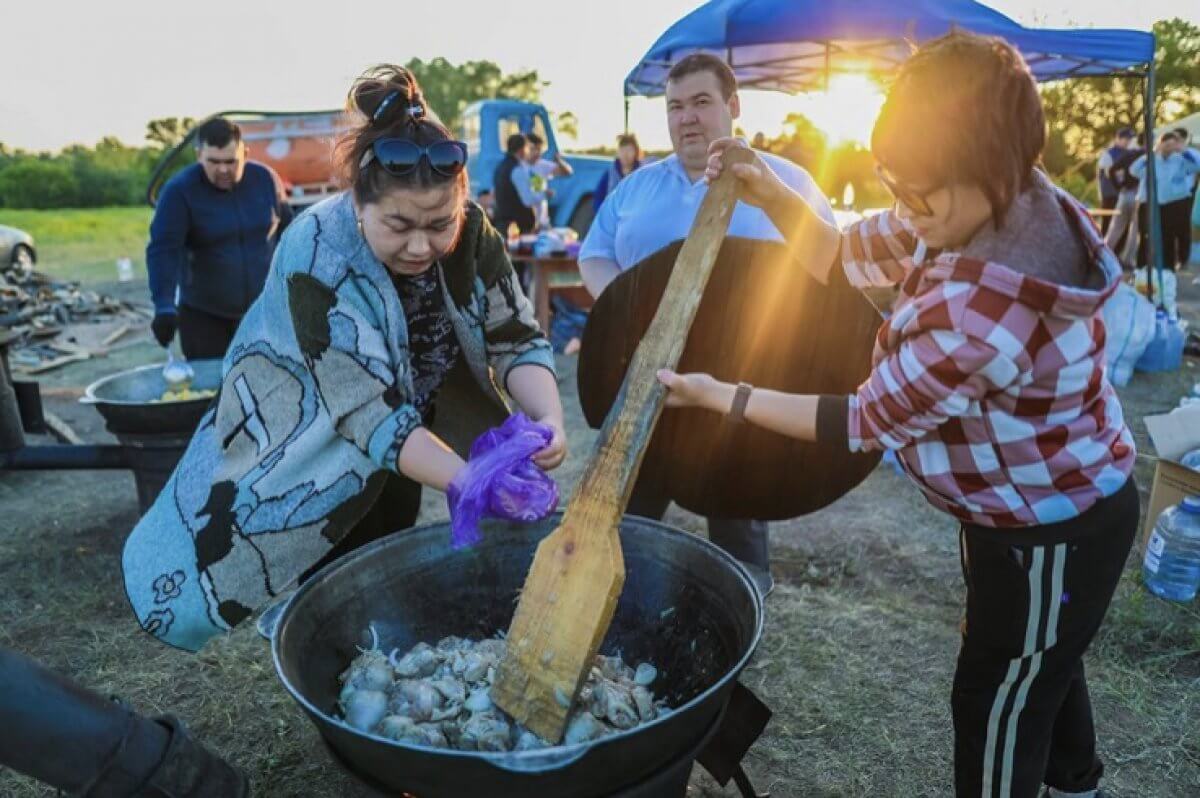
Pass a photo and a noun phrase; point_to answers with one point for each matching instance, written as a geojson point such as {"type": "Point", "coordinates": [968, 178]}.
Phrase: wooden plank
{"type": "Point", "coordinates": [578, 571]}
{"type": "Point", "coordinates": [61, 429]}
{"type": "Point", "coordinates": [52, 364]}
{"type": "Point", "coordinates": [112, 337]}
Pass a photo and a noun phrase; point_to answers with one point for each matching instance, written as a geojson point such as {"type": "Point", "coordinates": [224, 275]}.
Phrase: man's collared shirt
{"type": "Point", "coordinates": [656, 205]}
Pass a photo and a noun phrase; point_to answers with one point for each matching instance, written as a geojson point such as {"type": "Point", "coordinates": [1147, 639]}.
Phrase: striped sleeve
{"type": "Point", "coordinates": [877, 251]}
{"type": "Point", "coordinates": [929, 379]}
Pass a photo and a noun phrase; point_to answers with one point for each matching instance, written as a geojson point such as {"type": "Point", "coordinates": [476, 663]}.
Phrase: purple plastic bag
{"type": "Point", "coordinates": [501, 481]}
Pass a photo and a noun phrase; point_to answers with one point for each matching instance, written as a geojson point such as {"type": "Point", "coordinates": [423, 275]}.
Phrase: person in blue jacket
{"type": "Point", "coordinates": [629, 158]}
{"type": "Point", "coordinates": [211, 240]}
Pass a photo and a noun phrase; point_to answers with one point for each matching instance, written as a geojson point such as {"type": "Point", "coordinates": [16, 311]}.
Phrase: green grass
{"type": "Point", "coordinates": [84, 243]}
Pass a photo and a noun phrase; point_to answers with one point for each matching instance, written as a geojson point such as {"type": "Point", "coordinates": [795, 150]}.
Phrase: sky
{"type": "Point", "coordinates": [80, 70]}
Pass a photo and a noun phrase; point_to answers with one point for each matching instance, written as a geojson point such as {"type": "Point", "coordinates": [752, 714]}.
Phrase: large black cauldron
{"type": "Point", "coordinates": [687, 607]}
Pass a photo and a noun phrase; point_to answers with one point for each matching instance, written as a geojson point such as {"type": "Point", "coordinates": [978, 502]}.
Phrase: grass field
{"type": "Point", "coordinates": [84, 243]}
{"type": "Point", "coordinates": [856, 660]}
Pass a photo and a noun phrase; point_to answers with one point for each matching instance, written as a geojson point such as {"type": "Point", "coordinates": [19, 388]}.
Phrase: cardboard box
{"type": "Point", "coordinates": [1174, 434]}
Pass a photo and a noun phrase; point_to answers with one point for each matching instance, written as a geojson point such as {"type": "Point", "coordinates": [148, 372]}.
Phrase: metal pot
{"type": "Point", "coordinates": [126, 400]}
{"type": "Point", "coordinates": [687, 607]}
{"type": "Point", "coordinates": [153, 435]}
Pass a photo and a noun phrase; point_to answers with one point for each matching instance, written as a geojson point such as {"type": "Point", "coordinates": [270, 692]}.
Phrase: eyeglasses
{"type": "Point", "coordinates": [400, 156]}
{"type": "Point", "coordinates": [915, 201]}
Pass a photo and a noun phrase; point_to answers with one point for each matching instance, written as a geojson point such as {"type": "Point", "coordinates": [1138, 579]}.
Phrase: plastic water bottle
{"type": "Point", "coordinates": [1171, 568]}
{"type": "Point", "coordinates": [124, 270]}
{"type": "Point", "coordinates": [1191, 460]}
{"type": "Point", "coordinates": [1165, 351]}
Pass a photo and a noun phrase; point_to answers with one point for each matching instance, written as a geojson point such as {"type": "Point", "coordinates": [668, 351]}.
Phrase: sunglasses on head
{"type": "Point", "coordinates": [915, 201]}
{"type": "Point", "coordinates": [400, 156]}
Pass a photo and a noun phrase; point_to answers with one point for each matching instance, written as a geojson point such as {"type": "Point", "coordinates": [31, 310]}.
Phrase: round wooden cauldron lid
{"type": "Point", "coordinates": [765, 321]}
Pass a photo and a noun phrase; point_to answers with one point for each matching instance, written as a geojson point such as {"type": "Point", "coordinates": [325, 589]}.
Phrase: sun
{"type": "Point", "coordinates": [844, 113]}
{"type": "Point", "coordinates": [847, 111]}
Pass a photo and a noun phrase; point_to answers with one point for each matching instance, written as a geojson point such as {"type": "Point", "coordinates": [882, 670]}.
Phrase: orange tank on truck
{"type": "Point", "coordinates": [299, 146]}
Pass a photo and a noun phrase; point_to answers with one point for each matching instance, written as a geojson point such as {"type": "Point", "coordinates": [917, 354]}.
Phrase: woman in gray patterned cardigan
{"type": "Point", "coordinates": [319, 439]}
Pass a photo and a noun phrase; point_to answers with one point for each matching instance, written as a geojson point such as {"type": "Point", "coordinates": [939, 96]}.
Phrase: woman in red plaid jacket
{"type": "Point", "coordinates": [989, 384]}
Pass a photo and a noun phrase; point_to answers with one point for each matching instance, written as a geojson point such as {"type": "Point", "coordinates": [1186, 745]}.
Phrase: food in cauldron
{"type": "Point", "coordinates": [439, 696]}
{"type": "Point", "coordinates": [186, 395]}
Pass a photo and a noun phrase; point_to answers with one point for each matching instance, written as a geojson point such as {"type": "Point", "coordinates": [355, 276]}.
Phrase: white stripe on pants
{"type": "Point", "coordinates": [1039, 605]}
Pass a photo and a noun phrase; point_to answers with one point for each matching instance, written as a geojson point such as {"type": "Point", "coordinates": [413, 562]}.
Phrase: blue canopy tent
{"type": "Point", "coordinates": [797, 45]}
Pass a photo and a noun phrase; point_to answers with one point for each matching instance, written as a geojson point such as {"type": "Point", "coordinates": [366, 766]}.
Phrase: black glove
{"type": "Point", "coordinates": [163, 326]}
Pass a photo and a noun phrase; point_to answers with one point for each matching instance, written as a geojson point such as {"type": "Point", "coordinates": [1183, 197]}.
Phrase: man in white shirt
{"type": "Point", "coordinates": [539, 172]}
{"type": "Point", "coordinates": [656, 205]}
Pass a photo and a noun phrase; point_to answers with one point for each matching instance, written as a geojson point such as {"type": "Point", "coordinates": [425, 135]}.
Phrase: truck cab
{"type": "Point", "coordinates": [485, 127]}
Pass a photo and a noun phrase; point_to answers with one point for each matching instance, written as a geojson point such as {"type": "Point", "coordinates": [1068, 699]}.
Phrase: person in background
{"type": "Point", "coordinates": [989, 382]}
{"type": "Point", "coordinates": [514, 201]}
{"type": "Point", "coordinates": [629, 158]}
{"type": "Point", "coordinates": [1110, 192]}
{"type": "Point", "coordinates": [540, 170]}
{"type": "Point", "coordinates": [487, 202]}
{"type": "Point", "coordinates": [1185, 141]}
{"type": "Point", "coordinates": [1185, 136]}
{"type": "Point", "coordinates": [1132, 238]}
{"type": "Point", "coordinates": [1175, 169]}
{"type": "Point", "coordinates": [655, 206]}
{"type": "Point", "coordinates": [1115, 164]}
{"type": "Point", "coordinates": [211, 239]}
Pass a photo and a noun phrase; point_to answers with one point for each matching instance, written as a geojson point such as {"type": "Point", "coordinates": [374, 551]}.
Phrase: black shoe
{"type": "Point", "coordinates": [190, 770]}
{"type": "Point", "coordinates": [748, 543]}
{"type": "Point", "coordinates": [763, 581]}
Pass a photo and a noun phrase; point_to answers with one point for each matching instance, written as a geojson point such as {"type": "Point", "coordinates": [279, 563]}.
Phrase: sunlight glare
{"type": "Point", "coordinates": [847, 111]}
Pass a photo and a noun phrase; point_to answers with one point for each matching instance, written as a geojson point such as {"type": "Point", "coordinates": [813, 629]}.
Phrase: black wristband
{"type": "Point", "coordinates": [833, 414]}
{"type": "Point", "coordinates": [741, 398]}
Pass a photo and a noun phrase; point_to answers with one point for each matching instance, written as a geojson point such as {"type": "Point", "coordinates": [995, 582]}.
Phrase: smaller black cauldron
{"type": "Point", "coordinates": [154, 435]}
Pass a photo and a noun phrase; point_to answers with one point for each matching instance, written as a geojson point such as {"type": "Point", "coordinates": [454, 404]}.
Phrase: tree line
{"type": "Point", "coordinates": [1083, 115]}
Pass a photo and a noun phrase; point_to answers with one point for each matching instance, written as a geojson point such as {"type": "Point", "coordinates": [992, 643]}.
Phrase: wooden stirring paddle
{"type": "Point", "coordinates": [577, 574]}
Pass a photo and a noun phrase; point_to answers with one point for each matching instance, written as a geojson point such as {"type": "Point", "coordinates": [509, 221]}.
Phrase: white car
{"type": "Point", "coordinates": [17, 250]}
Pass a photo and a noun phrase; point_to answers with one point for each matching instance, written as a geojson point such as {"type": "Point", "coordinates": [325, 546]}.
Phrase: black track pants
{"type": "Point", "coordinates": [1035, 599]}
{"type": "Point", "coordinates": [203, 336]}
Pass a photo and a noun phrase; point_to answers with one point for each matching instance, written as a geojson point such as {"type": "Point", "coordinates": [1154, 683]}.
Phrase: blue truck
{"type": "Point", "coordinates": [485, 127]}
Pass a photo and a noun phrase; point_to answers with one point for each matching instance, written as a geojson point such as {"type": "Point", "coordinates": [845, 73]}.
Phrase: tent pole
{"type": "Point", "coordinates": [626, 116]}
{"type": "Point", "coordinates": [1155, 259]}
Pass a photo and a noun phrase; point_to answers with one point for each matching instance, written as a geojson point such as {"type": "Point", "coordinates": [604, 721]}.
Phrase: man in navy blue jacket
{"type": "Point", "coordinates": [214, 230]}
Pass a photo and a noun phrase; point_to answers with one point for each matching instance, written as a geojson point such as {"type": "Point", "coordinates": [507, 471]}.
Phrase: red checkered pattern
{"type": "Point", "coordinates": [990, 384]}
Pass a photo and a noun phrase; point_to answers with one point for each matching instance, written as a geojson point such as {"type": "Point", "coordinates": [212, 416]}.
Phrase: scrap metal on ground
{"type": "Point", "coordinates": [58, 322]}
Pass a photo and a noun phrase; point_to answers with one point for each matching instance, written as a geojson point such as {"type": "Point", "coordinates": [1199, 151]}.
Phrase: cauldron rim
{"type": "Point", "coordinates": [539, 760]}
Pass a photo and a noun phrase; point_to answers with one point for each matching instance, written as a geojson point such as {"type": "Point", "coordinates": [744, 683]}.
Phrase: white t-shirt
{"type": "Point", "coordinates": [655, 206]}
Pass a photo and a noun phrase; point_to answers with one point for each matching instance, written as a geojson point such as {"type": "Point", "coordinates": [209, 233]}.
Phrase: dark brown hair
{"type": "Point", "coordinates": [964, 109]}
{"type": "Point", "coordinates": [630, 140]}
{"type": "Point", "coordinates": [217, 132]}
{"type": "Point", "coordinates": [406, 116]}
{"type": "Point", "coordinates": [705, 62]}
